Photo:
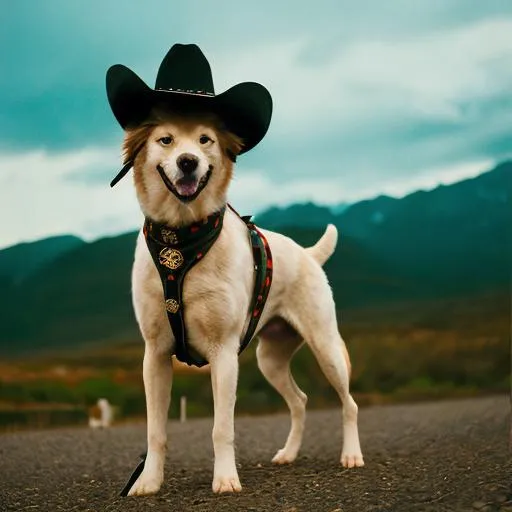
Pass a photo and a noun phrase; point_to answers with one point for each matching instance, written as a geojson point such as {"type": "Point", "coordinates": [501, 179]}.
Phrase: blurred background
{"type": "Point", "coordinates": [392, 120]}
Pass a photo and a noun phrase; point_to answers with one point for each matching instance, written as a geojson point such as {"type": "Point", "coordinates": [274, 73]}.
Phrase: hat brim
{"type": "Point", "coordinates": [245, 109]}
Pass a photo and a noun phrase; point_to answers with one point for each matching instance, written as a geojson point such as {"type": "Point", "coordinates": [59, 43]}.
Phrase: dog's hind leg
{"type": "Point", "coordinates": [315, 320]}
{"type": "Point", "coordinates": [331, 356]}
{"type": "Point", "coordinates": [276, 347]}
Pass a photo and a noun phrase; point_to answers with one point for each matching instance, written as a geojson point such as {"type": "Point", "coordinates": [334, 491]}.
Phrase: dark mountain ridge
{"type": "Point", "coordinates": [455, 236]}
{"type": "Point", "coordinates": [19, 261]}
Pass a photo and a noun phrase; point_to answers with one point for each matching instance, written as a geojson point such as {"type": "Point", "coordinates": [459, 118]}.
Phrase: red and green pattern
{"type": "Point", "coordinates": [262, 256]}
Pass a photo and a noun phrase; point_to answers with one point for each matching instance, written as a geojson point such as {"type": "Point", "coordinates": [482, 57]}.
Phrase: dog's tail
{"type": "Point", "coordinates": [324, 248]}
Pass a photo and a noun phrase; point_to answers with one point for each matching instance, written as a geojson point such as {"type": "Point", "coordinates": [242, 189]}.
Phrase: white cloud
{"type": "Point", "coordinates": [426, 76]}
{"type": "Point", "coordinates": [36, 167]}
{"type": "Point", "coordinates": [253, 190]}
{"type": "Point", "coordinates": [38, 201]}
{"type": "Point", "coordinates": [427, 179]}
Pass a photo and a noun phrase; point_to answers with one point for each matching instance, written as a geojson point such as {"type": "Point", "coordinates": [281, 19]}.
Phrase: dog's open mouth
{"type": "Point", "coordinates": [186, 189]}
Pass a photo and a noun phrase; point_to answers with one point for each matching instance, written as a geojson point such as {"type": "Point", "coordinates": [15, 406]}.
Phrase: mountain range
{"type": "Point", "coordinates": [19, 261]}
{"type": "Point", "coordinates": [454, 240]}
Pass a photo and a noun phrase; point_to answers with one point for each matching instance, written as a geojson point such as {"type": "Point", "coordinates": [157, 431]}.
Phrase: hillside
{"type": "Point", "coordinates": [307, 215]}
{"type": "Point", "coordinates": [457, 237]}
{"type": "Point", "coordinates": [451, 241]}
{"type": "Point", "coordinates": [21, 260]}
{"type": "Point", "coordinates": [454, 239]}
{"type": "Point", "coordinates": [84, 296]}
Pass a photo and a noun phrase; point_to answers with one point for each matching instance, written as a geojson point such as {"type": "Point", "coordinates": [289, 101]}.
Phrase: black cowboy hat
{"type": "Point", "coordinates": [184, 82]}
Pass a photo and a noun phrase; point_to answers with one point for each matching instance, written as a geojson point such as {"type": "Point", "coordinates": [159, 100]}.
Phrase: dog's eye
{"type": "Point", "coordinates": [204, 139]}
{"type": "Point", "coordinates": [165, 141]}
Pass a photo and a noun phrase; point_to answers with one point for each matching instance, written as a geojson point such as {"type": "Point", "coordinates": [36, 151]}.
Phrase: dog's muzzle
{"type": "Point", "coordinates": [185, 182]}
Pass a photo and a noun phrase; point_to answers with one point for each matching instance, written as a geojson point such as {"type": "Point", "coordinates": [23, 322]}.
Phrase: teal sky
{"type": "Point", "coordinates": [370, 97]}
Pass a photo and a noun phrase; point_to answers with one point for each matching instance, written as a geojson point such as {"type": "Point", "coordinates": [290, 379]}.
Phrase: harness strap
{"type": "Point", "coordinates": [133, 478]}
{"type": "Point", "coordinates": [175, 252]}
{"type": "Point", "coordinates": [262, 257]}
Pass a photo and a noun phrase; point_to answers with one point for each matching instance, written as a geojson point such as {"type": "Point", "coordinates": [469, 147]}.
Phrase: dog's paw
{"type": "Point", "coordinates": [284, 457]}
{"type": "Point", "coordinates": [146, 484]}
{"type": "Point", "coordinates": [222, 484]}
{"type": "Point", "coordinates": [352, 460]}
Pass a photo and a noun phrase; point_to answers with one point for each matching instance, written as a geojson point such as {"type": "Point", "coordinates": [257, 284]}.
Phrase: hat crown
{"type": "Point", "coordinates": [185, 69]}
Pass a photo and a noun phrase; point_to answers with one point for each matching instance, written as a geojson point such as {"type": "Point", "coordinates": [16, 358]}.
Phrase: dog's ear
{"type": "Point", "coordinates": [231, 144]}
{"type": "Point", "coordinates": [134, 140]}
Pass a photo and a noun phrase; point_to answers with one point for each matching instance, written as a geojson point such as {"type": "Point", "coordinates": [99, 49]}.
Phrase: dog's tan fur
{"type": "Point", "coordinates": [217, 294]}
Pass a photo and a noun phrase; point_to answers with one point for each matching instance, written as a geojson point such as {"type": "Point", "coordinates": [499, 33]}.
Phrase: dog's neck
{"type": "Point", "coordinates": [170, 211]}
{"type": "Point", "coordinates": [183, 237]}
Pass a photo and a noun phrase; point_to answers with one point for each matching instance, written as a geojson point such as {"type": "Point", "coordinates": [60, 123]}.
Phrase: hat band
{"type": "Point", "coordinates": [190, 92]}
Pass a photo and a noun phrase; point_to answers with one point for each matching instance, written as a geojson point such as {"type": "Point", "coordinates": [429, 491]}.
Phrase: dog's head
{"type": "Point", "coordinates": [183, 166]}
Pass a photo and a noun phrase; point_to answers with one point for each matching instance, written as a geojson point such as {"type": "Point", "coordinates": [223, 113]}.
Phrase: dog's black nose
{"type": "Point", "coordinates": [187, 163]}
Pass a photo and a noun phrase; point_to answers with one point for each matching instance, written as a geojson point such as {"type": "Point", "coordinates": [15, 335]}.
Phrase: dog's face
{"type": "Point", "coordinates": [184, 167]}
{"type": "Point", "coordinates": [185, 156]}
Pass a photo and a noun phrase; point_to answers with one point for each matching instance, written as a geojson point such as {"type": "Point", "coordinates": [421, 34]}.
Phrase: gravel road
{"type": "Point", "coordinates": [449, 455]}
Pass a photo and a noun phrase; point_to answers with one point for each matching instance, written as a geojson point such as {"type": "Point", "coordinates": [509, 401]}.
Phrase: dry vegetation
{"type": "Point", "coordinates": [427, 349]}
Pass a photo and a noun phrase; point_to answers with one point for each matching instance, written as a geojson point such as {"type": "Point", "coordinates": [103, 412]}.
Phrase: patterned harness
{"type": "Point", "coordinates": [176, 250]}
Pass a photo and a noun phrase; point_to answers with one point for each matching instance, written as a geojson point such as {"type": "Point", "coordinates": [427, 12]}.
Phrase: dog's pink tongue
{"type": "Point", "coordinates": [187, 188]}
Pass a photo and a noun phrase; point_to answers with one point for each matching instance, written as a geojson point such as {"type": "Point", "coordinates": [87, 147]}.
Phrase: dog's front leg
{"type": "Point", "coordinates": [157, 372]}
{"type": "Point", "coordinates": [224, 374]}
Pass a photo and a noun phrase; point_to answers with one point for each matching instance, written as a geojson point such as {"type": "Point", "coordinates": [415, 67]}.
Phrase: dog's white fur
{"type": "Point", "coordinates": [217, 293]}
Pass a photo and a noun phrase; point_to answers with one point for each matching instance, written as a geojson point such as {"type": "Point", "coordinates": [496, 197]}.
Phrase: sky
{"type": "Point", "coordinates": [370, 98]}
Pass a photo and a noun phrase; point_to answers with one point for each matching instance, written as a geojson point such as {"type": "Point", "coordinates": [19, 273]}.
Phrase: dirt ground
{"type": "Point", "coordinates": [450, 455]}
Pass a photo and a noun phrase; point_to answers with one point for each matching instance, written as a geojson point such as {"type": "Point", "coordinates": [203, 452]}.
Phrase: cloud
{"type": "Point", "coordinates": [368, 98]}
{"type": "Point", "coordinates": [378, 81]}
{"type": "Point", "coordinates": [44, 193]}
{"type": "Point", "coordinates": [426, 179]}
{"type": "Point", "coordinates": [340, 65]}
{"type": "Point", "coordinates": [385, 108]}
{"type": "Point", "coordinates": [253, 190]}
{"type": "Point", "coordinates": [39, 200]}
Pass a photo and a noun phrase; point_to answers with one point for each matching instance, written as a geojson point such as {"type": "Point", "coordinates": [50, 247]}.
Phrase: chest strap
{"type": "Point", "coordinates": [176, 250]}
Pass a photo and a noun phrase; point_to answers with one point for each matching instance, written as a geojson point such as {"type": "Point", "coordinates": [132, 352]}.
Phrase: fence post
{"type": "Point", "coordinates": [183, 409]}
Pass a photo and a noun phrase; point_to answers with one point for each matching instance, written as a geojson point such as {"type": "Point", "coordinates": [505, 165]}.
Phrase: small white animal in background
{"type": "Point", "coordinates": [101, 414]}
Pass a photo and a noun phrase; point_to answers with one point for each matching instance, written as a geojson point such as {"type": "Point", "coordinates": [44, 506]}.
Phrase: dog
{"type": "Point", "coordinates": [217, 294]}
{"type": "Point", "coordinates": [182, 141]}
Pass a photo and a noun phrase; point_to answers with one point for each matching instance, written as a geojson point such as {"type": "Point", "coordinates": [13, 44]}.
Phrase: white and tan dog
{"type": "Point", "coordinates": [217, 293]}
